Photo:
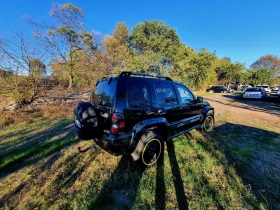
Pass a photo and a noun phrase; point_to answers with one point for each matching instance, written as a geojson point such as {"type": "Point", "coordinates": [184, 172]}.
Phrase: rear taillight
{"type": "Point", "coordinates": [117, 123]}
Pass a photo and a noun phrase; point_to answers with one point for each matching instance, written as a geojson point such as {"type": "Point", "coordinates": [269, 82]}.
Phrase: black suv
{"type": "Point", "coordinates": [134, 113]}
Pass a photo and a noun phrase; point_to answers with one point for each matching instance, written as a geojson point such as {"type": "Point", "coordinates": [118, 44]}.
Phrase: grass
{"type": "Point", "coordinates": [40, 168]}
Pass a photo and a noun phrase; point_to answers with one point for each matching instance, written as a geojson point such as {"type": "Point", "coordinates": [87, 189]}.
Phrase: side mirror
{"type": "Point", "coordinates": [199, 99]}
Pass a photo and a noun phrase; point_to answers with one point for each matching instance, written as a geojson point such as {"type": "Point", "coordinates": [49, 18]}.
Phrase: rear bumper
{"type": "Point", "coordinates": [115, 144]}
{"type": "Point", "coordinates": [255, 96]}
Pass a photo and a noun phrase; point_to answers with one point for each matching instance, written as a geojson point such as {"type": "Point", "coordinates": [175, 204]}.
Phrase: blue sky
{"type": "Point", "coordinates": [243, 30]}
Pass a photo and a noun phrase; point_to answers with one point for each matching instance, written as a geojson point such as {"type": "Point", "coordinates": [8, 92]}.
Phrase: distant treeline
{"type": "Point", "coordinates": [62, 51]}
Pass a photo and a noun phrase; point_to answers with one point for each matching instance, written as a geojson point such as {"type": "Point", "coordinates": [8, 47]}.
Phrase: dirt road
{"type": "Point", "coordinates": [263, 114]}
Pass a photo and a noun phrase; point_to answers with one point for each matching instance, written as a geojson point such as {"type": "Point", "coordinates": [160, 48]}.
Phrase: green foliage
{"type": "Point", "coordinates": [157, 44]}
{"type": "Point", "coordinates": [121, 33]}
{"type": "Point", "coordinates": [228, 71]}
{"type": "Point", "coordinates": [156, 37]}
{"type": "Point", "coordinates": [256, 77]}
{"type": "Point", "coordinates": [152, 47]}
{"type": "Point", "coordinates": [197, 69]}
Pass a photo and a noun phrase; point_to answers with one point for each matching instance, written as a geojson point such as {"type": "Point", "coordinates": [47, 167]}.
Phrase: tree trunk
{"type": "Point", "coordinates": [71, 65]}
{"type": "Point", "coordinates": [70, 86]}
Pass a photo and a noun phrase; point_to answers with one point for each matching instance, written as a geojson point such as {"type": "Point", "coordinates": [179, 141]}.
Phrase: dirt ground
{"type": "Point", "coordinates": [249, 131]}
{"type": "Point", "coordinates": [247, 112]}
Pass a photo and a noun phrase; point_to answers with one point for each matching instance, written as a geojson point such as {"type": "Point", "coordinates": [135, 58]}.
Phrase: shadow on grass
{"type": "Point", "coordinates": [251, 152]}
{"type": "Point", "coordinates": [271, 105]}
{"type": "Point", "coordinates": [37, 149]}
{"type": "Point", "coordinates": [120, 189]}
{"type": "Point", "coordinates": [177, 179]}
{"type": "Point", "coordinates": [255, 155]}
{"type": "Point", "coordinates": [30, 136]}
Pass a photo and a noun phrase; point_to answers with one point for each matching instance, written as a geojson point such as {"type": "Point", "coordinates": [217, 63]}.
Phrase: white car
{"type": "Point", "coordinates": [258, 93]}
{"type": "Point", "coordinates": [278, 92]}
{"type": "Point", "coordinates": [274, 90]}
{"type": "Point", "coordinates": [244, 87]}
{"type": "Point", "coordinates": [265, 87]}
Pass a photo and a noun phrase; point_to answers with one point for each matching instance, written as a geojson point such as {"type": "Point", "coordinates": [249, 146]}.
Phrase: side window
{"type": "Point", "coordinates": [185, 95]}
{"type": "Point", "coordinates": [165, 94]}
{"type": "Point", "coordinates": [138, 94]}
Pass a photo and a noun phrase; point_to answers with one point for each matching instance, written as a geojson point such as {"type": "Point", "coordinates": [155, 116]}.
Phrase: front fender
{"type": "Point", "coordinates": [207, 109]}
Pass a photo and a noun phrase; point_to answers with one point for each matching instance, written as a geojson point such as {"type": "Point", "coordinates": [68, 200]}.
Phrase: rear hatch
{"type": "Point", "coordinates": [253, 92]}
{"type": "Point", "coordinates": [104, 99]}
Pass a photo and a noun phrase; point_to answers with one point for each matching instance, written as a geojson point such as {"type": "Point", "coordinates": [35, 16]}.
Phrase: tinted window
{"type": "Point", "coordinates": [165, 94]}
{"type": "Point", "coordinates": [104, 93]}
{"type": "Point", "coordinates": [138, 94]}
{"type": "Point", "coordinates": [185, 95]}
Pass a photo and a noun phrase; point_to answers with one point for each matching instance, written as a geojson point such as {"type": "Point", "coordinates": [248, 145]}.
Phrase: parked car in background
{"type": "Point", "coordinates": [278, 92]}
{"type": "Point", "coordinates": [274, 90]}
{"type": "Point", "coordinates": [244, 87]}
{"type": "Point", "coordinates": [265, 87]}
{"type": "Point", "coordinates": [219, 89]}
{"type": "Point", "coordinates": [258, 93]}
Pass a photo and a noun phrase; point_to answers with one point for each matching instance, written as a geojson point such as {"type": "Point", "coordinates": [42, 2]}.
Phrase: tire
{"type": "Point", "coordinates": [148, 150]}
{"type": "Point", "coordinates": [208, 124]}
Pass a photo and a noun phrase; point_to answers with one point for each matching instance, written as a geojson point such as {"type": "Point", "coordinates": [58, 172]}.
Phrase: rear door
{"type": "Point", "coordinates": [166, 102]}
{"type": "Point", "coordinates": [138, 101]}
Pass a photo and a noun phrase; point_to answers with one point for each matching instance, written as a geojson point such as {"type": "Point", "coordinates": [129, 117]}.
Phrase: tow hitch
{"type": "Point", "coordinates": [93, 147]}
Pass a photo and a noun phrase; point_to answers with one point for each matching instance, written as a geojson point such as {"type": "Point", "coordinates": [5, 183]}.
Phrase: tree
{"type": "Point", "coordinates": [117, 53]}
{"type": "Point", "coordinates": [270, 62]}
{"type": "Point", "coordinates": [23, 60]}
{"type": "Point", "coordinates": [256, 77]}
{"type": "Point", "coordinates": [227, 71]}
{"type": "Point", "coordinates": [157, 42]}
{"type": "Point", "coordinates": [197, 69]}
{"type": "Point", "coordinates": [37, 68]}
{"type": "Point", "coordinates": [65, 38]}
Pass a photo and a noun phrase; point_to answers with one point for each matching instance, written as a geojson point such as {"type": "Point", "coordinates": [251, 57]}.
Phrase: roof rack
{"type": "Point", "coordinates": [128, 74]}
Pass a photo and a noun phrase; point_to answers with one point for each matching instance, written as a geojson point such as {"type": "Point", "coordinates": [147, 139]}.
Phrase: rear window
{"type": "Point", "coordinates": [105, 93]}
{"type": "Point", "coordinates": [253, 90]}
{"type": "Point", "coordinates": [263, 86]}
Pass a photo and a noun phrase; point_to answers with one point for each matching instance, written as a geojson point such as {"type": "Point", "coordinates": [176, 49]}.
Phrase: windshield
{"type": "Point", "coordinates": [105, 93]}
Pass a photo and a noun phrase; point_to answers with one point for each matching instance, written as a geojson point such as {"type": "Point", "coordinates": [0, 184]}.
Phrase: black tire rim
{"type": "Point", "coordinates": [151, 152]}
{"type": "Point", "coordinates": [208, 123]}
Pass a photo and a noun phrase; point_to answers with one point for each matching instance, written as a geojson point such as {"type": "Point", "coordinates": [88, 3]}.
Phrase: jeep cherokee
{"type": "Point", "coordinates": [134, 113]}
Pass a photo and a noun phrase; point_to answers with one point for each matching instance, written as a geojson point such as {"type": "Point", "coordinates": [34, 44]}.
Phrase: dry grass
{"type": "Point", "coordinates": [29, 115]}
